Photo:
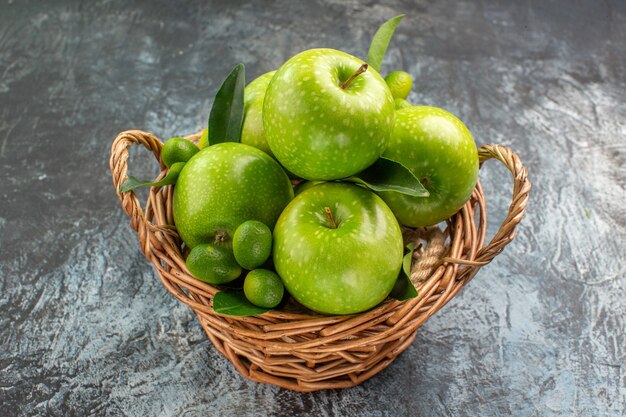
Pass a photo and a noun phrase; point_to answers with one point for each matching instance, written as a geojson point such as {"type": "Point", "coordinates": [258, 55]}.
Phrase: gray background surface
{"type": "Point", "coordinates": [86, 328]}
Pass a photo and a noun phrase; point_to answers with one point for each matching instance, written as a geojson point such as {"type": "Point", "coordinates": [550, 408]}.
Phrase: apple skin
{"type": "Point", "coordinates": [305, 185]}
{"type": "Point", "coordinates": [318, 130]}
{"type": "Point", "coordinates": [224, 185]}
{"type": "Point", "coordinates": [439, 149]}
{"type": "Point", "coordinates": [342, 270]}
{"type": "Point", "coordinates": [252, 132]}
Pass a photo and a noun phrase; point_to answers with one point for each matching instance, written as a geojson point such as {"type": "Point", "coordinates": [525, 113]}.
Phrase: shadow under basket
{"type": "Point", "coordinates": [295, 348]}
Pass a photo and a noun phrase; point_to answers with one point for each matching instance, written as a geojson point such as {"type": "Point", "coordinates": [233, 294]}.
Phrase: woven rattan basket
{"type": "Point", "coordinates": [301, 350]}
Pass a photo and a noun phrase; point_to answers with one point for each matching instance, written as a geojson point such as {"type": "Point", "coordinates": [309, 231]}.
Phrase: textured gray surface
{"type": "Point", "coordinates": [87, 329]}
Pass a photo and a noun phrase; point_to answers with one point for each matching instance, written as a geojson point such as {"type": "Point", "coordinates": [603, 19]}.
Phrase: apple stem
{"type": "Point", "coordinates": [356, 73]}
{"type": "Point", "coordinates": [329, 213]}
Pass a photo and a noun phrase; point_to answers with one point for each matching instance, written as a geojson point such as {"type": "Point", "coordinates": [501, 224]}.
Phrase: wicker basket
{"type": "Point", "coordinates": [298, 349]}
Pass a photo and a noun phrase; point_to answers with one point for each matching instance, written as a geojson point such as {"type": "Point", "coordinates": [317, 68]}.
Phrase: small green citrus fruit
{"type": "Point", "coordinates": [400, 83]}
{"type": "Point", "coordinates": [177, 150]}
{"type": "Point", "coordinates": [252, 244]}
{"type": "Point", "coordinates": [213, 264]}
{"type": "Point", "coordinates": [263, 288]}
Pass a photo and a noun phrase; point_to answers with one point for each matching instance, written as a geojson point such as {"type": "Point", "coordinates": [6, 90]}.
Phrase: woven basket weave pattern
{"type": "Point", "coordinates": [301, 350]}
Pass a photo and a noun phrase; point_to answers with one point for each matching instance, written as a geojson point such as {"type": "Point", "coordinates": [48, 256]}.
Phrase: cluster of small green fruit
{"type": "Point", "coordinates": [366, 163]}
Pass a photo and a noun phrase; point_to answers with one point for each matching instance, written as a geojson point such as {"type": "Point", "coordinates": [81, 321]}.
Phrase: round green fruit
{"type": "Point", "coordinates": [214, 264]}
{"type": "Point", "coordinates": [252, 132]}
{"type": "Point", "coordinates": [305, 185]}
{"type": "Point", "coordinates": [252, 244]}
{"type": "Point", "coordinates": [177, 150]}
{"type": "Point", "coordinates": [439, 149]}
{"type": "Point", "coordinates": [400, 83]}
{"type": "Point", "coordinates": [224, 185]}
{"type": "Point", "coordinates": [263, 288]}
{"type": "Point", "coordinates": [338, 248]}
{"type": "Point", "coordinates": [319, 124]}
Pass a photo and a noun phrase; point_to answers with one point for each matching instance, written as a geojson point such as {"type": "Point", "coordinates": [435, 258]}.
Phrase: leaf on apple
{"type": "Point", "coordinates": [131, 183]}
{"type": "Point", "coordinates": [235, 303]}
{"type": "Point", "coordinates": [380, 42]}
{"type": "Point", "coordinates": [389, 175]}
{"type": "Point", "coordinates": [226, 117]}
{"type": "Point", "coordinates": [408, 259]}
{"type": "Point", "coordinates": [404, 288]}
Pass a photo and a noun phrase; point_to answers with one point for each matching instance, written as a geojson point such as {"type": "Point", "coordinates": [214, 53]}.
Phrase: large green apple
{"type": "Point", "coordinates": [224, 185]}
{"type": "Point", "coordinates": [252, 132]}
{"type": "Point", "coordinates": [439, 149]}
{"type": "Point", "coordinates": [320, 123]}
{"type": "Point", "coordinates": [338, 248]}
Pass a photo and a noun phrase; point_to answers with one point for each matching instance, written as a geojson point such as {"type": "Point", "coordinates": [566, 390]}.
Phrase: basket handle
{"type": "Point", "coordinates": [519, 199]}
{"type": "Point", "coordinates": [118, 165]}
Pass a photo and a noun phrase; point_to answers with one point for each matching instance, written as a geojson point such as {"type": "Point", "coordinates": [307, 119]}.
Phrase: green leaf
{"type": "Point", "coordinates": [404, 288]}
{"type": "Point", "coordinates": [234, 303]}
{"type": "Point", "coordinates": [380, 42]}
{"type": "Point", "coordinates": [172, 175]}
{"type": "Point", "coordinates": [408, 259]}
{"type": "Point", "coordinates": [226, 117]}
{"type": "Point", "coordinates": [389, 175]}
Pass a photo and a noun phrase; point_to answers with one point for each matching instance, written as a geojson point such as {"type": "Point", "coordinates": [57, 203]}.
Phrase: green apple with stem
{"type": "Point", "coordinates": [327, 115]}
{"type": "Point", "coordinates": [338, 248]}
{"type": "Point", "coordinates": [439, 150]}
{"type": "Point", "coordinates": [224, 185]}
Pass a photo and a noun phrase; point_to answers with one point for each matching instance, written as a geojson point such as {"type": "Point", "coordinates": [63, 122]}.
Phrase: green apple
{"type": "Point", "coordinates": [338, 248]}
{"type": "Point", "coordinates": [252, 132]}
{"type": "Point", "coordinates": [326, 116]}
{"type": "Point", "coordinates": [439, 149]}
{"type": "Point", "coordinates": [305, 185]}
{"type": "Point", "coordinates": [224, 185]}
